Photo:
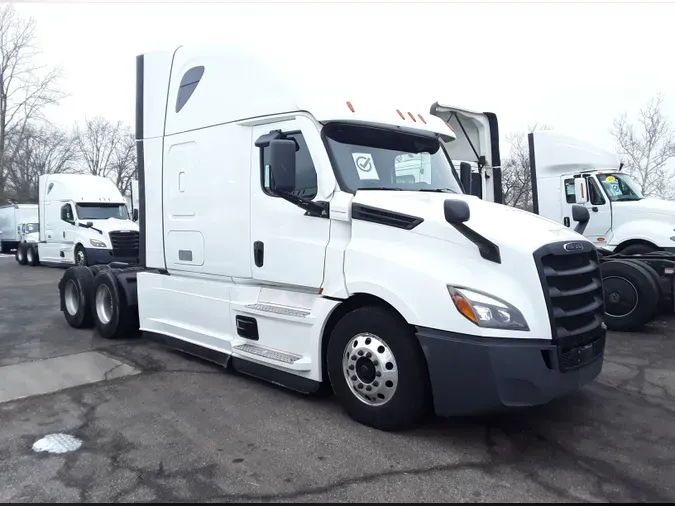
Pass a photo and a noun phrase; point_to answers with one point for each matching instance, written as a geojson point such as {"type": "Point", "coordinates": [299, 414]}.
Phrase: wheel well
{"type": "Point", "coordinates": [634, 242]}
{"type": "Point", "coordinates": [355, 301]}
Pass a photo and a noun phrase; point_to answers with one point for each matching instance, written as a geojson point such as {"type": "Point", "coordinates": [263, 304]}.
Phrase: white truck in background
{"type": "Point", "coordinates": [12, 216]}
{"type": "Point", "coordinates": [285, 238]}
{"type": "Point", "coordinates": [630, 232]}
{"type": "Point", "coordinates": [83, 220]}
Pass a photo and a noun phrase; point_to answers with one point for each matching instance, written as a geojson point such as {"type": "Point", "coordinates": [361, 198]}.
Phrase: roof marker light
{"type": "Point", "coordinates": [351, 107]}
{"type": "Point", "coordinates": [412, 117]}
{"type": "Point", "coordinates": [422, 118]}
{"type": "Point", "coordinates": [400, 114]}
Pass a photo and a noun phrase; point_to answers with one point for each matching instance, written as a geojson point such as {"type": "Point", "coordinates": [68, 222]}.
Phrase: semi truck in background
{"type": "Point", "coordinates": [631, 233]}
{"type": "Point", "coordinates": [83, 220]}
{"type": "Point", "coordinates": [294, 241]}
{"type": "Point", "coordinates": [12, 216]}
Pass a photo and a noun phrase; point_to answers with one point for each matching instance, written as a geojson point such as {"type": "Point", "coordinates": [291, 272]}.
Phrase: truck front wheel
{"type": "Point", "coordinates": [80, 256]}
{"type": "Point", "coordinates": [32, 256]}
{"type": "Point", "coordinates": [378, 370]}
{"type": "Point", "coordinates": [113, 318]}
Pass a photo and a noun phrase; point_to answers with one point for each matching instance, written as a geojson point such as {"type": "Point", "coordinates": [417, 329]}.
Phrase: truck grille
{"type": "Point", "coordinates": [572, 285]}
{"type": "Point", "coordinates": [125, 244]}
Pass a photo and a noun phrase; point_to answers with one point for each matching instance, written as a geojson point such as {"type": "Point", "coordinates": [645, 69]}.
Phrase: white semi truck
{"type": "Point", "coordinates": [12, 216]}
{"type": "Point", "coordinates": [83, 220]}
{"type": "Point", "coordinates": [277, 238]}
{"type": "Point", "coordinates": [630, 232]}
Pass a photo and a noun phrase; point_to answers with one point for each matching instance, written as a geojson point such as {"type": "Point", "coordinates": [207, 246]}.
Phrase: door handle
{"type": "Point", "coordinates": [566, 221]}
{"type": "Point", "coordinates": [258, 253]}
{"type": "Point", "coordinates": [64, 234]}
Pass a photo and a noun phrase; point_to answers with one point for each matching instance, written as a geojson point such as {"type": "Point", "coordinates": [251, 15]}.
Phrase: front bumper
{"type": "Point", "coordinates": [475, 375]}
{"type": "Point", "coordinates": [98, 256]}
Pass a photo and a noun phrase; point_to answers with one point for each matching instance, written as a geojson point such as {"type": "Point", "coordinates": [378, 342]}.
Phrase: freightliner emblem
{"type": "Point", "coordinates": [573, 246]}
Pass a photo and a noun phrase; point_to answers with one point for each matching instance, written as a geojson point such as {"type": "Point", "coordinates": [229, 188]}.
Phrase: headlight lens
{"type": "Point", "coordinates": [487, 311]}
{"type": "Point", "coordinates": [97, 244]}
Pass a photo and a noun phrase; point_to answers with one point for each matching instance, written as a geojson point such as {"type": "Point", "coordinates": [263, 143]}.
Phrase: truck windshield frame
{"type": "Point", "coordinates": [367, 157]}
{"type": "Point", "coordinates": [620, 187]}
{"type": "Point", "coordinates": [99, 211]}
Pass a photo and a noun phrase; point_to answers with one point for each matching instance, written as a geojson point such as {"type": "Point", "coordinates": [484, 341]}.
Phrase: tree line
{"type": "Point", "coordinates": [30, 145]}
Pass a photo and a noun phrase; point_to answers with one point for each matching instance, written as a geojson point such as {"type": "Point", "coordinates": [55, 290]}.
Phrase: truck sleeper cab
{"type": "Point", "coordinates": [312, 243]}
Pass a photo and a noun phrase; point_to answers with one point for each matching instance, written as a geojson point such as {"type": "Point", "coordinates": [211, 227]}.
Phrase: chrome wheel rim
{"type": "Point", "coordinates": [104, 304]}
{"type": "Point", "coordinates": [79, 257]}
{"type": "Point", "coordinates": [72, 297]}
{"type": "Point", "coordinates": [370, 369]}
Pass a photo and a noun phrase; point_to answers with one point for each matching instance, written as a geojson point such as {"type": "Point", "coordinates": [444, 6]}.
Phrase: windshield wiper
{"type": "Point", "coordinates": [436, 190]}
{"type": "Point", "coordinates": [381, 188]}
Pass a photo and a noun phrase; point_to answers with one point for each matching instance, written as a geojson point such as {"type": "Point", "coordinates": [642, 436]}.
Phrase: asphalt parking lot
{"type": "Point", "coordinates": [175, 428]}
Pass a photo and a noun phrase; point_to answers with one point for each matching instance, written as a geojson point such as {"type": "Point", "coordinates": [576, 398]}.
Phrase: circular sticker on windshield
{"type": "Point", "coordinates": [610, 179]}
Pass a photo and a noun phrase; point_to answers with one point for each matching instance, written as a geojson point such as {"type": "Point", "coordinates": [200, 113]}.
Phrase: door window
{"type": "Point", "coordinates": [570, 192]}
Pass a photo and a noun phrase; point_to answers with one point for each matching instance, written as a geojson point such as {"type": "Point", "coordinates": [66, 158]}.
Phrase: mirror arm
{"type": "Point", "coordinates": [316, 209]}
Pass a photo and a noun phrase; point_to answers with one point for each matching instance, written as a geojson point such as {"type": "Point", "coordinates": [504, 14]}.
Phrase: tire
{"type": "Point", "coordinates": [113, 318]}
{"type": "Point", "coordinates": [32, 256]}
{"type": "Point", "coordinates": [652, 274]}
{"type": "Point", "coordinates": [387, 337]}
{"type": "Point", "coordinates": [637, 249]}
{"type": "Point", "coordinates": [75, 291]}
{"type": "Point", "coordinates": [81, 257]}
{"type": "Point", "coordinates": [20, 254]}
{"type": "Point", "coordinates": [631, 295]}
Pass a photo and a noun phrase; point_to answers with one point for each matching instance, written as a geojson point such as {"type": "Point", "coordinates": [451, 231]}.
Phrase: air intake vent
{"type": "Point", "coordinates": [383, 217]}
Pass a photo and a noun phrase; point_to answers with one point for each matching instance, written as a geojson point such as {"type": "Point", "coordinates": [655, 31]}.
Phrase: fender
{"type": "Point", "coordinates": [386, 295]}
{"type": "Point", "coordinates": [655, 232]}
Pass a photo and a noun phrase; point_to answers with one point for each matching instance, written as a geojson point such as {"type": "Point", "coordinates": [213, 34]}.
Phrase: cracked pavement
{"type": "Point", "coordinates": [186, 430]}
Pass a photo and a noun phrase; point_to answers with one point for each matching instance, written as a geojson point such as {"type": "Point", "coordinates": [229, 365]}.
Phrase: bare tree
{"type": "Point", "coordinates": [516, 180]}
{"type": "Point", "coordinates": [107, 149]}
{"type": "Point", "coordinates": [123, 168]}
{"type": "Point", "coordinates": [43, 150]}
{"type": "Point", "coordinates": [26, 87]}
{"type": "Point", "coordinates": [646, 148]}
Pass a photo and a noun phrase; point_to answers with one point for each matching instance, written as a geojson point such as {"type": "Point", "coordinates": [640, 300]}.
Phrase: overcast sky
{"type": "Point", "coordinates": [573, 66]}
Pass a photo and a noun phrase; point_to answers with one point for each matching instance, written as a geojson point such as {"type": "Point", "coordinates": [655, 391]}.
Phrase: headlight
{"type": "Point", "coordinates": [97, 244]}
{"type": "Point", "coordinates": [487, 311]}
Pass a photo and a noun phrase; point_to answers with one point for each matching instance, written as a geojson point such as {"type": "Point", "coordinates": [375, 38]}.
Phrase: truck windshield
{"type": "Point", "coordinates": [31, 227]}
{"type": "Point", "coordinates": [375, 158]}
{"type": "Point", "coordinates": [620, 187]}
{"type": "Point", "coordinates": [102, 211]}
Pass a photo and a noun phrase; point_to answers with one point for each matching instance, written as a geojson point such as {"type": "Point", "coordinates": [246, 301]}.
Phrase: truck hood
{"type": "Point", "coordinates": [662, 210]}
{"type": "Point", "coordinates": [505, 226]}
{"type": "Point", "coordinates": [113, 224]}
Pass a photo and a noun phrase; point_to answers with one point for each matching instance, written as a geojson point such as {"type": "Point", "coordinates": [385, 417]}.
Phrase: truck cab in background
{"type": "Point", "coordinates": [566, 171]}
{"type": "Point", "coordinates": [11, 218]}
{"type": "Point", "coordinates": [83, 220]}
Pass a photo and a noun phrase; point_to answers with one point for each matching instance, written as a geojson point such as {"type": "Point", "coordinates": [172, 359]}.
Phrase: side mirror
{"type": "Point", "coordinates": [581, 215]}
{"type": "Point", "coordinates": [134, 215]}
{"type": "Point", "coordinates": [456, 211]}
{"type": "Point", "coordinates": [580, 190]}
{"type": "Point", "coordinates": [465, 176]}
{"type": "Point", "coordinates": [282, 165]}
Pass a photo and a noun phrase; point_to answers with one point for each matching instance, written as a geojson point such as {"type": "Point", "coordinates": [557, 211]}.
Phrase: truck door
{"type": "Point", "coordinates": [288, 247]}
{"type": "Point", "coordinates": [600, 224]}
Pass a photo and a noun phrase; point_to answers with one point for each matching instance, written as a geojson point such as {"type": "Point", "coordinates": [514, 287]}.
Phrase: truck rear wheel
{"type": "Point", "coordinates": [20, 254]}
{"type": "Point", "coordinates": [113, 318]}
{"type": "Point", "coordinates": [378, 370]}
{"type": "Point", "coordinates": [32, 255]}
{"type": "Point", "coordinates": [631, 295]}
{"type": "Point", "coordinates": [75, 294]}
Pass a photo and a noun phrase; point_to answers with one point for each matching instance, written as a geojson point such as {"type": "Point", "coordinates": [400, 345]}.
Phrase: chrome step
{"type": "Point", "coordinates": [286, 311]}
{"type": "Point", "coordinates": [279, 356]}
